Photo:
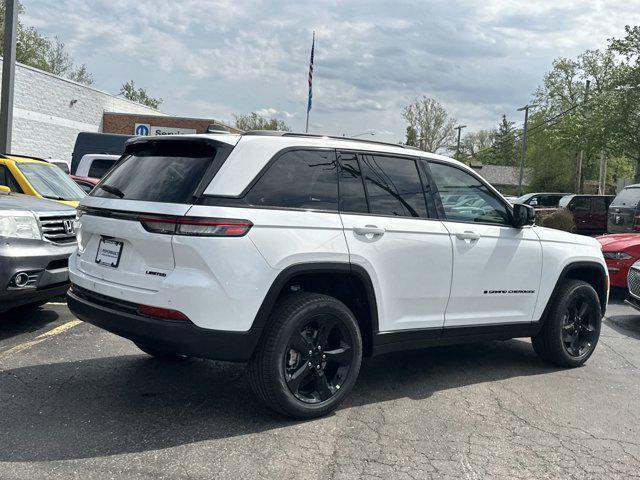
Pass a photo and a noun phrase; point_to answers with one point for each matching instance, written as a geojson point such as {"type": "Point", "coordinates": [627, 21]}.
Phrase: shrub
{"type": "Point", "coordinates": [560, 220]}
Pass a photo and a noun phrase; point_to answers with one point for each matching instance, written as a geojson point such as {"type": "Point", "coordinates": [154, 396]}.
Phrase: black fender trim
{"type": "Point", "coordinates": [602, 295]}
{"type": "Point", "coordinates": [286, 275]}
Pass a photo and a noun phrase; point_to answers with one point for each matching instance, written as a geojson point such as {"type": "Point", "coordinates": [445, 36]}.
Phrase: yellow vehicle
{"type": "Point", "coordinates": [39, 178]}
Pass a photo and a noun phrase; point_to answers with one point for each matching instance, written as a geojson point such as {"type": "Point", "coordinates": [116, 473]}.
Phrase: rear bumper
{"type": "Point", "coordinates": [179, 337]}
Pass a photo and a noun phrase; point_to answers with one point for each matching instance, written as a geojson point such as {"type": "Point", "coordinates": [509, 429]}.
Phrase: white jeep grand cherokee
{"type": "Point", "coordinates": [301, 254]}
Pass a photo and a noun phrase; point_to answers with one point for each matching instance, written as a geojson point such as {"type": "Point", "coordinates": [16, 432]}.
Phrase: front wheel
{"type": "Point", "coordinates": [572, 328]}
{"type": "Point", "coordinates": [309, 358]}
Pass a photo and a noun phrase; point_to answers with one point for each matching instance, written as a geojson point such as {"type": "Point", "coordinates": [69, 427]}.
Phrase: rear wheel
{"type": "Point", "coordinates": [572, 329]}
{"type": "Point", "coordinates": [309, 358]}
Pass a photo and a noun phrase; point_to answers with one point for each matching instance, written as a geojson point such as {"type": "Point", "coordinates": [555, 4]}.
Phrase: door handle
{"type": "Point", "coordinates": [467, 235]}
{"type": "Point", "coordinates": [369, 230]}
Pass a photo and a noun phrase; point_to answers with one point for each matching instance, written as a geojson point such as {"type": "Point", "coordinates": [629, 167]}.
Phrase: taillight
{"type": "Point", "coordinates": [196, 226]}
{"type": "Point", "coordinates": [165, 313]}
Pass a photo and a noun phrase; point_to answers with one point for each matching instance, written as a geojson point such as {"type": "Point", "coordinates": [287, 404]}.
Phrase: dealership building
{"type": "Point", "coordinates": [49, 111]}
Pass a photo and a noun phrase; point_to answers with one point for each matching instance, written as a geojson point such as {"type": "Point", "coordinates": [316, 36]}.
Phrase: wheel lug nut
{"type": "Point", "coordinates": [318, 367]}
{"type": "Point", "coordinates": [324, 356]}
{"type": "Point", "coordinates": [310, 352]}
{"type": "Point", "coordinates": [309, 364]}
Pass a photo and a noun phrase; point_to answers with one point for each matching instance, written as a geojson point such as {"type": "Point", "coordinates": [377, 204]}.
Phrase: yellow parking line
{"type": "Point", "coordinates": [40, 338]}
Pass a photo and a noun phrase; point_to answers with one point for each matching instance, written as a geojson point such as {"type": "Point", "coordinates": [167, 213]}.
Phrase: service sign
{"type": "Point", "coordinates": [144, 129]}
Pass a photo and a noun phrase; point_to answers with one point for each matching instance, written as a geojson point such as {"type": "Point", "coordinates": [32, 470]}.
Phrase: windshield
{"type": "Point", "coordinates": [564, 201]}
{"type": "Point", "coordinates": [628, 197]}
{"type": "Point", "coordinates": [50, 182]}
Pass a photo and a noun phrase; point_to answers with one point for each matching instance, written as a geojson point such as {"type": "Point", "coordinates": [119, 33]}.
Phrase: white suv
{"type": "Point", "coordinates": [301, 254]}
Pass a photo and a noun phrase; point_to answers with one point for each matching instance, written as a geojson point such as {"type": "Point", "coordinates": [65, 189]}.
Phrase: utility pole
{"type": "Point", "coordinates": [524, 145]}
{"type": "Point", "coordinates": [8, 74]}
{"type": "Point", "coordinates": [581, 153]}
{"type": "Point", "coordinates": [602, 178]}
{"type": "Point", "coordinates": [459, 128]}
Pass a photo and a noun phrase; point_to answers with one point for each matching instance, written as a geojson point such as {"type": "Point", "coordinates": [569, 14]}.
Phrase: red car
{"type": "Point", "coordinates": [85, 183]}
{"type": "Point", "coordinates": [620, 251]}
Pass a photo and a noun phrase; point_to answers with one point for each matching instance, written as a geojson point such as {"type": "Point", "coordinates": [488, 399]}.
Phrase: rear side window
{"type": "Point", "coordinates": [393, 186]}
{"type": "Point", "coordinates": [628, 197]}
{"type": "Point", "coordinates": [99, 167]}
{"type": "Point", "coordinates": [298, 179]}
{"type": "Point", "coordinates": [163, 171]}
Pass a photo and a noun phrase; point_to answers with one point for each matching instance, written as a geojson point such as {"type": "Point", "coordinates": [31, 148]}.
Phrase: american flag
{"type": "Point", "coordinates": [313, 44]}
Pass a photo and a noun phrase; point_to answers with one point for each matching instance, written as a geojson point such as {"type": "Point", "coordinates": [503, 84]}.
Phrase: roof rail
{"type": "Point", "coordinates": [278, 133]}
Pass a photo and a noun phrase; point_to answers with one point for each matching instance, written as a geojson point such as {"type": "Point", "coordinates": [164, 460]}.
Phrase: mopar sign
{"type": "Point", "coordinates": [144, 129]}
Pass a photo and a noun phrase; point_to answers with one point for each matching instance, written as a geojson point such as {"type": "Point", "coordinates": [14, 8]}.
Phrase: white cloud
{"type": "Point", "coordinates": [216, 57]}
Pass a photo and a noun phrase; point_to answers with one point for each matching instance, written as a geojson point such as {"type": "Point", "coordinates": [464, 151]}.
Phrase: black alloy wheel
{"type": "Point", "coordinates": [318, 359]}
{"type": "Point", "coordinates": [579, 331]}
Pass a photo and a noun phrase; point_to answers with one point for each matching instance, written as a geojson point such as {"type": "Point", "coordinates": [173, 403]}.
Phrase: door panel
{"type": "Point", "coordinates": [496, 274]}
{"type": "Point", "coordinates": [407, 255]}
{"type": "Point", "coordinates": [496, 267]}
{"type": "Point", "coordinates": [409, 261]}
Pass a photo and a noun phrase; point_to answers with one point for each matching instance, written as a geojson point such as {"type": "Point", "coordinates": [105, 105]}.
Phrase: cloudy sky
{"type": "Point", "coordinates": [213, 58]}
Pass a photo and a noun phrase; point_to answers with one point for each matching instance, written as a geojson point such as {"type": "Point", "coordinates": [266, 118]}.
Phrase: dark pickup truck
{"type": "Point", "coordinates": [589, 212]}
{"type": "Point", "coordinates": [37, 237]}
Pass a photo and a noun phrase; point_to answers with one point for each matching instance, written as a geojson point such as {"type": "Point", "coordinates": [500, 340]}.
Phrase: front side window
{"type": "Point", "coordinates": [581, 204]}
{"type": "Point", "coordinates": [50, 182]}
{"type": "Point", "coordinates": [393, 186]}
{"type": "Point", "coordinates": [468, 199]}
{"type": "Point", "coordinates": [304, 179]}
{"type": "Point", "coordinates": [6, 179]}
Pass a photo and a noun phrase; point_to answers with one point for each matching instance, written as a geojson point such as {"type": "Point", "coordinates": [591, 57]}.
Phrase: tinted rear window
{"type": "Point", "coordinates": [164, 171]}
{"type": "Point", "coordinates": [99, 167]}
{"type": "Point", "coordinates": [628, 197]}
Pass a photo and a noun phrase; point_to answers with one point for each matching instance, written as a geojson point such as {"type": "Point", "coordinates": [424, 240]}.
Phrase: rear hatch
{"type": "Point", "coordinates": [623, 211]}
{"type": "Point", "coordinates": [156, 179]}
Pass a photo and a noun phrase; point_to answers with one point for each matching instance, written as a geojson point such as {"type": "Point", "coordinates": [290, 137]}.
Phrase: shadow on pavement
{"type": "Point", "coordinates": [24, 320]}
{"type": "Point", "coordinates": [107, 406]}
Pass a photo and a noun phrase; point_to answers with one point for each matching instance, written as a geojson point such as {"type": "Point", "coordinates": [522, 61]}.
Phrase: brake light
{"type": "Point", "coordinates": [196, 226]}
{"type": "Point", "coordinates": [159, 312]}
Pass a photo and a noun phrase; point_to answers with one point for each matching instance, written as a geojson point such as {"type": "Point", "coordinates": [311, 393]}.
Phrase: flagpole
{"type": "Point", "coordinates": [313, 44]}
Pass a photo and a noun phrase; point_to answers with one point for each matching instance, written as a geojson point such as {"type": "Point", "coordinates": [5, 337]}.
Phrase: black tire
{"type": "Point", "coordinates": [302, 383]}
{"type": "Point", "coordinates": [159, 352]}
{"type": "Point", "coordinates": [571, 330]}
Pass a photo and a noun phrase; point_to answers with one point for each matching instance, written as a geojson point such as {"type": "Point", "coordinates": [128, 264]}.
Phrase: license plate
{"type": "Point", "coordinates": [109, 252]}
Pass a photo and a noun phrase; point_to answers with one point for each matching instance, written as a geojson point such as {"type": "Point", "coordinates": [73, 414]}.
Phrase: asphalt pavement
{"type": "Point", "coordinates": [77, 402]}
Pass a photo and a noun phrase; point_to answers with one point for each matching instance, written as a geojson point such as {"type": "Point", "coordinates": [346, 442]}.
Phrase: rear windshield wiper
{"type": "Point", "coordinates": [112, 190]}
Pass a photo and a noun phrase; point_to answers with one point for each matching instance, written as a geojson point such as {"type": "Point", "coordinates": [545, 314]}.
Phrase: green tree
{"type": "Point", "coordinates": [625, 106]}
{"type": "Point", "coordinates": [254, 121]}
{"type": "Point", "coordinates": [412, 137]}
{"type": "Point", "coordinates": [505, 149]}
{"type": "Point", "coordinates": [431, 123]}
{"type": "Point", "coordinates": [48, 54]}
{"type": "Point", "coordinates": [478, 145]}
{"type": "Point", "coordinates": [139, 95]}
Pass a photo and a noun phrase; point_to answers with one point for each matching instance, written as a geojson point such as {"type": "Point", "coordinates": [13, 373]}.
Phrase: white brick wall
{"type": "Point", "coordinates": [45, 123]}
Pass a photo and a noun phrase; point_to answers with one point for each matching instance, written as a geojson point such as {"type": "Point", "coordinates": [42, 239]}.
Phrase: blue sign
{"type": "Point", "coordinates": [142, 129]}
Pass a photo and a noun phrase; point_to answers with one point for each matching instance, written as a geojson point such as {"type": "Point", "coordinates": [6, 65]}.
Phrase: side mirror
{"type": "Point", "coordinates": [523, 215]}
{"type": "Point", "coordinates": [4, 188]}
